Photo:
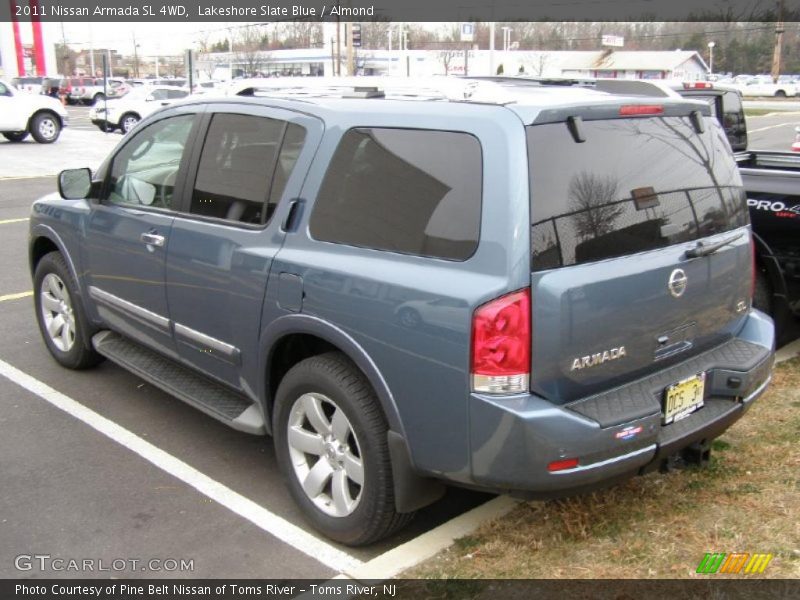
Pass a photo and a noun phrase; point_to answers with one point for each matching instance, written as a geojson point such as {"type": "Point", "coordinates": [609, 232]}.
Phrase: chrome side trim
{"type": "Point", "coordinates": [607, 462]}
{"type": "Point", "coordinates": [227, 350]}
{"type": "Point", "coordinates": [130, 308]}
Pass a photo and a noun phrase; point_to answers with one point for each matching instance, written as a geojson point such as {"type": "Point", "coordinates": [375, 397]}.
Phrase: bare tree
{"type": "Point", "coordinates": [446, 57]}
{"type": "Point", "coordinates": [375, 35]}
{"type": "Point", "coordinates": [246, 48]}
{"type": "Point", "coordinates": [539, 63]}
{"type": "Point", "coordinates": [593, 198]}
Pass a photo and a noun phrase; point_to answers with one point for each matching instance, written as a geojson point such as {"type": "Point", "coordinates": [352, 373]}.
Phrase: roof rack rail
{"type": "Point", "coordinates": [622, 87]}
{"type": "Point", "coordinates": [432, 88]}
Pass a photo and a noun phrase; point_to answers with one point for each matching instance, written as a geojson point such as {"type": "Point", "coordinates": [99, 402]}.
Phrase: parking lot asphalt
{"type": "Point", "coordinates": [71, 492]}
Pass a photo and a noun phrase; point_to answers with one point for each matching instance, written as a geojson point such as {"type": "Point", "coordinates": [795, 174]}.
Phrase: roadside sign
{"type": "Point", "coordinates": [616, 41]}
{"type": "Point", "coordinates": [467, 32]}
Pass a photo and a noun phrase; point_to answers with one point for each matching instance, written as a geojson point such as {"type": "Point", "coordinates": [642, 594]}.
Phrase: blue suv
{"type": "Point", "coordinates": [535, 291]}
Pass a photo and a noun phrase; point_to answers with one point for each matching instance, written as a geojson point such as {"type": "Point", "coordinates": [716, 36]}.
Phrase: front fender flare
{"type": "Point", "coordinates": [42, 230]}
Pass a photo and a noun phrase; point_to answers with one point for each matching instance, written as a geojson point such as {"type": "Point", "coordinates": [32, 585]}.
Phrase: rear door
{"type": "Point", "coordinates": [616, 292]}
{"type": "Point", "coordinates": [252, 161]}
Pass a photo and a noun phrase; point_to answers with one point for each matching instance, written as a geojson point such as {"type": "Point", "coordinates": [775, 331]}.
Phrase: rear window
{"type": "Point", "coordinates": [410, 191]}
{"type": "Point", "coordinates": [633, 185]}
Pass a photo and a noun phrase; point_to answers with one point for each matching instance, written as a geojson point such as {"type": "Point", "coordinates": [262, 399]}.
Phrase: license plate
{"type": "Point", "coordinates": [683, 398]}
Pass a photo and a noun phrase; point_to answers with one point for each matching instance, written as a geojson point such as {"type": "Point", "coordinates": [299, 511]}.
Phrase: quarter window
{"type": "Point", "coordinates": [144, 171]}
{"type": "Point", "coordinates": [239, 178]}
{"type": "Point", "coordinates": [403, 190]}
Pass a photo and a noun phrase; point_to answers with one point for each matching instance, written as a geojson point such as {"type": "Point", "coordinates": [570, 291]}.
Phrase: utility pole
{"type": "Point", "coordinates": [135, 56]}
{"type": "Point", "coordinates": [338, 65]}
{"type": "Point", "coordinates": [491, 47]}
{"type": "Point", "coordinates": [91, 51]}
{"type": "Point", "coordinates": [350, 54]}
{"type": "Point", "coordinates": [776, 56]}
{"type": "Point", "coordinates": [65, 57]}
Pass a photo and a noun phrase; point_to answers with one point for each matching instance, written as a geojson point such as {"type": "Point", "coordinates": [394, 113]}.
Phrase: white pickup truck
{"type": "Point", "coordinates": [40, 116]}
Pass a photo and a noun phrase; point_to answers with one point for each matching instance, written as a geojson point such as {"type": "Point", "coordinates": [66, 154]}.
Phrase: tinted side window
{"type": "Point", "coordinates": [237, 164]}
{"type": "Point", "coordinates": [403, 190]}
{"type": "Point", "coordinates": [144, 171]}
{"type": "Point", "coordinates": [173, 94]}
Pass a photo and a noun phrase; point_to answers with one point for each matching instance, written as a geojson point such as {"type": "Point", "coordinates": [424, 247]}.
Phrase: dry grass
{"type": "Point", "coordinates": [660, 526]}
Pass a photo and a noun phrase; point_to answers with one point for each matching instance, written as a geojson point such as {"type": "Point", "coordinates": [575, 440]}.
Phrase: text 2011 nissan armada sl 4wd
{"type": "Point", "coordinates": [537, 295]}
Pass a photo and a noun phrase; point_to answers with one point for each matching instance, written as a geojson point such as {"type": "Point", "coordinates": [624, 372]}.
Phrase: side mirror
{"type": "Point", "coordinates": [74, 184]}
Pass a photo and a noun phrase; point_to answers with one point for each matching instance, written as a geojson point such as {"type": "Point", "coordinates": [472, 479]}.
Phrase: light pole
{"type": "Point", "coordinates": [711, 57]}
{"type": "Point", "coordinates": [506, 38]}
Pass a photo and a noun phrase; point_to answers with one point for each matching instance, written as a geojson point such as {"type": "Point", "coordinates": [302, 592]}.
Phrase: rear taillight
{"type": "Point", "coordinates": [501, 345]}
{"type": "Point", "coordinates": [633, 110]}
{"type": "Point", "coordinates": [796, 145]}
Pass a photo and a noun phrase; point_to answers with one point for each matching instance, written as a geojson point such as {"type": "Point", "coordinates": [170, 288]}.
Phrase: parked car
{"type": "Point", "coordinates": [28, 84]}
{"type": "Point", "coordinates": [250, 255]}
{"type": "Point", "coordinates": [56, 87]}
{"type": "Point", "coordinates": [761, 87]}
{"type": "Point", "coordinates": [21, 115]}
{"type": "Point", "coordinates": [90, 91]}
{"type": "Point", "coordinates": [125, 112]}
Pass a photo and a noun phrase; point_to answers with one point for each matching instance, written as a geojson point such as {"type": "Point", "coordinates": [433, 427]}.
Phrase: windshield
{"type": "Point", "coordinates": [633, 185]}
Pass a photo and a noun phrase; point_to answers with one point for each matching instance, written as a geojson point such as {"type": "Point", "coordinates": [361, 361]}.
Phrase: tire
{"type": "Point", "coordinates": [762, 296]}
{"type": "Point", "coordinates": [55, 296]}
{"type": "Point", "coordinates": [45, 127]}
{"type": "Point", "coordinates": [409, 318]}
{"type": "Point", "coordinates": [350, 431]}
{"type": "Point", "coordinates": [128, 121]}
{"type": "Point", "coordinates": [780, 94]}
{"type": "Point", "coordinates": [15, 136]}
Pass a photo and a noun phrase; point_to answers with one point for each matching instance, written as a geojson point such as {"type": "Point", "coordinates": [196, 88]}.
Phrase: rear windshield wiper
{"type": "Point", "coordinates": [703, 250]}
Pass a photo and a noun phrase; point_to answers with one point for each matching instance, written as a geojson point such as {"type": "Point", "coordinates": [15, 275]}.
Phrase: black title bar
{"type": "Point", "coordinates": [398, 10]}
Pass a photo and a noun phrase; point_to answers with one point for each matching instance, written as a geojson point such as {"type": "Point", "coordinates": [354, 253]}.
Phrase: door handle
{"type": "Point", "coordinates": [152, 239]}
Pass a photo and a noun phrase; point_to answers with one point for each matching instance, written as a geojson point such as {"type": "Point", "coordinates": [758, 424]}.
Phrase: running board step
{"type": "Point", "coordinates": [212, 398]}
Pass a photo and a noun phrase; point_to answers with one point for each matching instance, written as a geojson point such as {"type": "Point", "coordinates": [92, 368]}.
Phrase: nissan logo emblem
{"type": "Point", "coordinates": [677, 283]}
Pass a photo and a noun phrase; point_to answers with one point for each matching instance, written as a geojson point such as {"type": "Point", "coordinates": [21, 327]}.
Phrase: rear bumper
{"type": "Point", "coordinates": [617, 434]}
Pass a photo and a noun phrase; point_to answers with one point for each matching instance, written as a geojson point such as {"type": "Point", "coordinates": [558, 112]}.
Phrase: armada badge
{"type": "Point", "coordinates": [598, 358]}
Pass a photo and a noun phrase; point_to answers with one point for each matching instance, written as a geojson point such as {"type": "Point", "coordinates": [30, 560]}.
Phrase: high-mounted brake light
{"type": "Point", "coordinates": [698, 85]}
{"type": "Point", "coordinates": [631, 110]}
{"type": "Point", "coordinates": [501, 345]}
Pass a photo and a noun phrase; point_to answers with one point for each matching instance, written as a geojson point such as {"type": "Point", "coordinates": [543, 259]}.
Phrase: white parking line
{"type": "Point", "coordinates": [15, 296]}
{"type": "Point", "coordinates": [271, 523]}
{"type": "Point", "coordinates": [9, 221]}
{"type": "Point", "coordinates": [769, 127]}
{"type": "Point", "coordinates": [401, 558]}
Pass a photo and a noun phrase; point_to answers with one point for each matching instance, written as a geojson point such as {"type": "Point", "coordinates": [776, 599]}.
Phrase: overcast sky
{"type": "Point", "coordinates": [152, 38]}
